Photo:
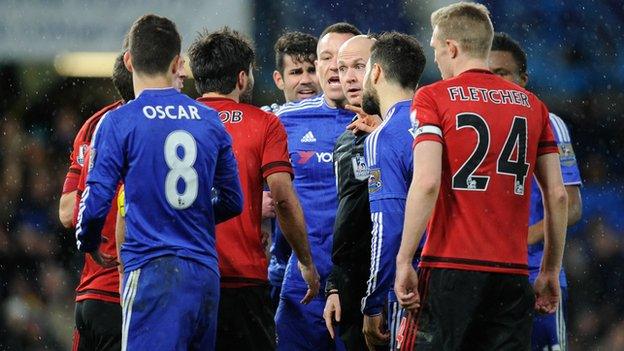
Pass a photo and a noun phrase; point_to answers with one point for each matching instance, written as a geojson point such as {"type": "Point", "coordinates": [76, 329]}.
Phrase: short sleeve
{"type": "Point", "coordinates": [76, 161]}
{"type": "Point", "coordinates": [425, 118]}
{"type": "Point", "coordinates": [275, 152]}
{"type": "Point", "coordinates": [567, 158]}
{"type": "Point", "coordinates": [547, 144]}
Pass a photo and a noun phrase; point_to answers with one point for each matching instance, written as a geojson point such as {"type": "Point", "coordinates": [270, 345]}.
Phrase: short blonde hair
{"type": "Point", "coordinates": [469, 24]}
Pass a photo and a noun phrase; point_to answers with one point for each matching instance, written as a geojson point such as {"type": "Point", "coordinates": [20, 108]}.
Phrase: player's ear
{"type": "Point", "coordinates": [278, 80]}
{"type": "Point", "coordinates": [375, 73]}
{"type": "Point", "coordinates": [241, 81]}
{"type": "Point", "coordinates": [175, 64]}
{"type": "Point", "coordinates": [452, 47]}
{"type": "Point", "coordinates": [127, 58]}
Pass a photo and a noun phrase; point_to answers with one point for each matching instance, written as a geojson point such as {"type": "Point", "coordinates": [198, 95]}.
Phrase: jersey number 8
{"type": "Point", "coordinates": [181, 168]}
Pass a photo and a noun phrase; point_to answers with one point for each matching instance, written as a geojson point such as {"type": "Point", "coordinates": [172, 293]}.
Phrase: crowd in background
{"type": "Point", "coordinates": [573, 66]}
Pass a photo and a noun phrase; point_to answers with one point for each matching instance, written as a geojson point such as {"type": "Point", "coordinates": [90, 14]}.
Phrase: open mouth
{"type": "Point", "coordinates": [353, 90]}
{"type": "Point", "coordinates": [334, 81]}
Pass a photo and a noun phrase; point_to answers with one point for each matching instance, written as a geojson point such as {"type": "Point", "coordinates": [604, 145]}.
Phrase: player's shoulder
{"type": "Point", "coordinates": [86, 131]}
{"type": "Point", "coordinates": [309, 105]}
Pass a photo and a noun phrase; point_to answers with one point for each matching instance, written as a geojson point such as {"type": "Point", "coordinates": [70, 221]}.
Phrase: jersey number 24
{"type": "Point", "coordinates": [466, 179]}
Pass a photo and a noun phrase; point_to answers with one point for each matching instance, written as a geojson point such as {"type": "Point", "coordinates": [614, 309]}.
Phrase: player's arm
{"type": "Point", "coordinates": [102, 183]}
{"type": "Point", "coordinates": [291, 221]}
{"type": "Point", "coordinates": [421, 199]}
{"type": "Point", "coordinates": [536, 231]}
{"type": "Point", "coordinates": [227, 199]}
{"type": "Point", "coordinates": [67, 203]}
{"type": "Point", "coordinates": [66, 208]}
{"type": "Point", "coordinates": [555, 199]}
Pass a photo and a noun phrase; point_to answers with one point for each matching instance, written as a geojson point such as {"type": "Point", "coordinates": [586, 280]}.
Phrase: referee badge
{"type": "Point", "coordinates": [360, 170]}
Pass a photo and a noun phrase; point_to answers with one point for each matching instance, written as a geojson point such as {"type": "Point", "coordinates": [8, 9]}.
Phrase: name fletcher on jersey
{"type": "Point", "coordinates": [496, 96]}
{"type": "Point", "coordinates": [171, 112]}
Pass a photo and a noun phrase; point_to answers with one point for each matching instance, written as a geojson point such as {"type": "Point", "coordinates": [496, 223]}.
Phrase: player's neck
{"type": "Point", "coordinates": [391, 96]}
{"type": "Point", "coordinates": [150, 82]}
{"type": "Point", "coordinates": [232, 96]}
{"type": "Point", "coordinates": [470, 63]}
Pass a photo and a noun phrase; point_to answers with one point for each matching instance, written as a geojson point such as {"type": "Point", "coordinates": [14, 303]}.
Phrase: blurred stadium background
{"type": "Point", "coordinates": [55, 58]}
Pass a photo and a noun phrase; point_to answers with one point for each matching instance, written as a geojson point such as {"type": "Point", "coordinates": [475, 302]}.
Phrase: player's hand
{"type": "Point", "coordinates": [547, 292]}
{"type": "Point", "coordinates": [406, 286]}
{"type": "Point", "coordinates": [104, 260]}
{"type": "Point", "coordinates": [268, 206]}
{"type": "Point", "coordinates": [365, 123]}
{"type": "Point", "coordinates": [311, 276]}
{"type": "Point", "coordinates": [375, 333]}
{"type": "Point", "coordinates": [332, 313]}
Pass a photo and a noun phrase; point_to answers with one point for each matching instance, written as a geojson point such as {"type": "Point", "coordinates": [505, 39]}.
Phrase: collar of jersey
{"type": "Point", "coordinates": [214, 98]}
{"type": "Point", "coordinates": [159, 91]}
{"type": "Point", "coordinates": [477, 70]}
{"type": "Point", "coordinates": [392, 109]}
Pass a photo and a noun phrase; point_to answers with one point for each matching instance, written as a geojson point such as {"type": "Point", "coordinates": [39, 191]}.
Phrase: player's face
{"type": "Point", "coordinates": [299, 79]}
{"type": "Point", "coordinates": [180, 75]}
{"type": "Point", "coordinates": [327, 65]}
{"type": "Point", "coordinates": [503, 64]}
{"type": "Point", "coordinates": [441, 55]}
{"type": "Point", "coordinates": [352, 58]}
{"type": "Point", "coordinates": [370, 98]}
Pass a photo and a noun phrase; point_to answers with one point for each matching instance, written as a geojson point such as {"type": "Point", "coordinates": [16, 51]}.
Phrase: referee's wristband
{"type": "Point", "coordinates": [330, 292]}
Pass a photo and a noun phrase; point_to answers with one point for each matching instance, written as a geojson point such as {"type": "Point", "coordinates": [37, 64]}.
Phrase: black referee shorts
{"type": "Point", "coordinates": [468, 310]}
{"type": "Point", "coordinates": [245, 319]}
{"type": "Point", "coordinates": [98, 326]}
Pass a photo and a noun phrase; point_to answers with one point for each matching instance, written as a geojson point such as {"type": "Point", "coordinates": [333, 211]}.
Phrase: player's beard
{"type": "Point", "coordinates": [370, 100]}
{"type": "Point", "coordinates": [247, 95]}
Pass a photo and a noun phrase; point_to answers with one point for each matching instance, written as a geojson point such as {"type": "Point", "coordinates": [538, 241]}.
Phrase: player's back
{"type": "Point", "coordinates": [172, 147]}
{"type": "Point", "coordinates": [492, 132]}
{"type": "Point", "coordinates": [260, 146]}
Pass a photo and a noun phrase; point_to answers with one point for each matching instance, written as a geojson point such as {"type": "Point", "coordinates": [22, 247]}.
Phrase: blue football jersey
{"type": "Point", "coordinates": [389, 150]}
{"type": "Point", "coordinates": [388, 154]}
{"type": "Point", "coordinates": [571, 176]}
{"type": "Point", "coordinates": [313, 128]}
{"type": "Point", "coordinates": [176, 161]}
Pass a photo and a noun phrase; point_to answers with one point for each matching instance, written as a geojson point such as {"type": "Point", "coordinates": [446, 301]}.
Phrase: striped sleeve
{"type": "Point", "coordinates": [426, 121]}
{"type": "Point", "coordinates": [567, 158]}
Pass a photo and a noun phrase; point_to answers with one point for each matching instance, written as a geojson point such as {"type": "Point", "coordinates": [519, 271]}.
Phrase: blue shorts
{"type": "Point", "coordinates": [302, 327]}
{"type": "Point", "coordinates": [170, 303]}
{"type": "Point", "coordinates": [549, 330]}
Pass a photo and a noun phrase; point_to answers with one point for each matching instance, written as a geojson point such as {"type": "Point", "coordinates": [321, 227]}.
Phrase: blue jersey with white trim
{"type": "Point", "coordinates": [313, 128]}
{"type": "Point", "coordinates": [388, 153]}
{"type": "Point", "coordinates": [180, 175]}
{"type": "Point", "coordinates": [571, 176]}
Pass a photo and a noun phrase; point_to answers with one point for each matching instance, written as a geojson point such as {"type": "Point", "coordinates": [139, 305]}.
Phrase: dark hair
{"type": "Point", "coordinates": [301, 47]}
{"type": "Point", "coordinates": [217, 58]}
{"type": "Point", "coordinates": [401, 56]}
{"type": "Point", "coordinates": [154, 42]}
{"type": "Point", "coordinates": [341, 28]}
{"type": "Point", "coordinates": [503, 42]}
{"type": "Point", "coordinates": [122, 79]}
